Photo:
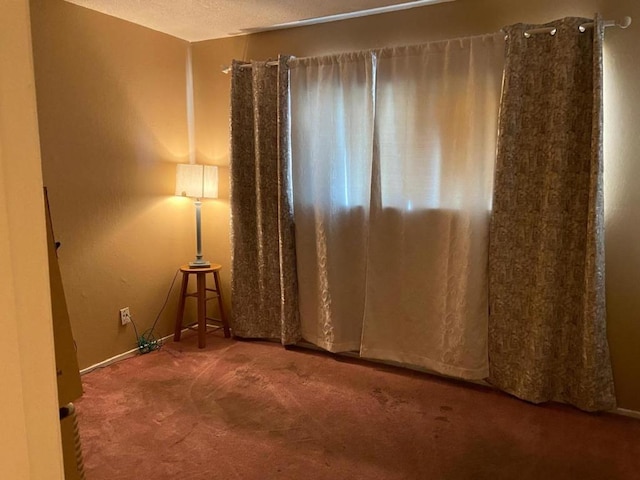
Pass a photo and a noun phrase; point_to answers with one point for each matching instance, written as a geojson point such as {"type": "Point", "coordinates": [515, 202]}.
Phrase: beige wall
{"type": "Point", "coordinates": [112, 113]}
{"type": "Point", "coordinates": [112, 122]}
{"type": "Point", "coordinates": [30, 439]}
{"type": "Point", "coordinates": [463, 18]}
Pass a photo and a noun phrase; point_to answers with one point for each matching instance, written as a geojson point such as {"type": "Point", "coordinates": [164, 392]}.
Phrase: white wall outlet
{"type": "Point", "coordinates": [125, 315]}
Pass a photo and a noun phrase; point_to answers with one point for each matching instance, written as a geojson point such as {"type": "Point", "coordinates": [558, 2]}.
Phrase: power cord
{"type": "Point", "coordinates": [147, 342]}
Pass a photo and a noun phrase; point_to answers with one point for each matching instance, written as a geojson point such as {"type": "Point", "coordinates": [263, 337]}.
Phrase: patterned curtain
{"type": "Point", "coordinates": [547, 325]}
{"type": "Point", "coordinates": [263, 282]}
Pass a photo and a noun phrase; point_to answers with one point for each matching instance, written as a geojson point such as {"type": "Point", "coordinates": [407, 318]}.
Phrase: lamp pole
{"type": "Point", "coordinates": [198, 262]}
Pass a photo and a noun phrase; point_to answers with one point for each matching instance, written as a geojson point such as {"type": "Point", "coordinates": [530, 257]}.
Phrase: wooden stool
{"type": "Point", "coordinates": [201, 295]}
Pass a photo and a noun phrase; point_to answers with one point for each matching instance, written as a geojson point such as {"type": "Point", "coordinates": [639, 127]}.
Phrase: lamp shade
{"type": "Point", "coordinates": [197, 181]}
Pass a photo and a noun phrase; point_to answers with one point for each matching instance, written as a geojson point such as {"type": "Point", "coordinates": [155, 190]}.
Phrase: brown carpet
{"type": "Point", "coordinates": [253, 410]}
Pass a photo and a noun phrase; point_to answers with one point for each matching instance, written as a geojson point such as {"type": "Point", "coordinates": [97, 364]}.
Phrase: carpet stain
{"type": "Point", "coordinates": [380, 396]}
{"type": "Point", "coordinates": [238, 358]}
{"type": "Point", "coordinates": [442, 419]}
{"type": "Point", "coordinates": [387, 398]}
{"type": "Point", "coordinates": [293, 368]}
{"type": "Point", "coordinates": [262, 412]}
{"type": "Point", "coordinates": [445, 408]}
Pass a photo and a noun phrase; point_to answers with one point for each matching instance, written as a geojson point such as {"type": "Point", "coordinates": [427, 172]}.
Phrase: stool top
{"type": "Point", "coordinates": [214, 267]}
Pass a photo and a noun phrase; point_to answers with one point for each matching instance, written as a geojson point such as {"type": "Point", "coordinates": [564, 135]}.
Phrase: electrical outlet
{"type": "Point", "coordinates": [125, 315]}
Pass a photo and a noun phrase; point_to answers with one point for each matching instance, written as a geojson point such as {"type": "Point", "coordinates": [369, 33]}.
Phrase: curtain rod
{"type": "Point", "coordinates": [624, 23]}
{"type": "Point", "coordinates": [272, 63]}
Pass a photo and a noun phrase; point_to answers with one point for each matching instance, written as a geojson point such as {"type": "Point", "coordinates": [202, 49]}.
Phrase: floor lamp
{"type": "Point", "coordinates": [197, 181]}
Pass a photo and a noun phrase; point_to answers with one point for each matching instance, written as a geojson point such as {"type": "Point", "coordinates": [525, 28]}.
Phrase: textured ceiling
{"type": "Point", "coordinates": [196, 20]}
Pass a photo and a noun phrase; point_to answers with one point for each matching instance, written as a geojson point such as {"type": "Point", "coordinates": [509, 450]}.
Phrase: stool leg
{"type": "Point", "coordinates": [202, 309]}
{"type": "Point", "coordinates": [223, 317]}
{"type": "Point", "coordinates": [180, 314]}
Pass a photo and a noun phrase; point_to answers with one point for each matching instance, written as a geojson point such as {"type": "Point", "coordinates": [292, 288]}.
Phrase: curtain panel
{"type": "Point", "coordinates": [393, 164]}
{"type": "Point", "coordinates": [435, 128]}
{"type": "Point", "coordinates": [332, 102]}
{"type": "Point", "coordinates": [547, 329]}
{"type": "Point", "coordinates": [436, 122]}
{"type": "Point", "coordinates": [263, 282]}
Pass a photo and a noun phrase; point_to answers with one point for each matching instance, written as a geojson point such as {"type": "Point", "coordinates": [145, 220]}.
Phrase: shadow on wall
{"type": "Point", "coordinates": [112, 113]}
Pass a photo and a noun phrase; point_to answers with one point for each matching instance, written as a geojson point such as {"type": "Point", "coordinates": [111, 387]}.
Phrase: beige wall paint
{"type": "Point", "coordinates": [112, 114]}
{"type": "Point", "coordinates": [463, 18]}
{"type": "Point", "coordinates": [113, 122]}
{"type": "Point", "coordinates": [30, 441]}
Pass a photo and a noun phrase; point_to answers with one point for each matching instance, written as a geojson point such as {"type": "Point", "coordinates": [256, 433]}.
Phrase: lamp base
{"type": "Point", "coordinates": [199, 264]}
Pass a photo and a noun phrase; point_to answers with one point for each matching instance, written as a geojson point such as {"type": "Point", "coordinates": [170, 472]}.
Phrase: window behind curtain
{"type": "Point", "coordinates": [393, 157]}
{"type": "Point", "coordinates": [332, 131]}
{"type": "Point", "coordinates": [332, 105]}
{"type": "Point", "coordinates": [436, 120]}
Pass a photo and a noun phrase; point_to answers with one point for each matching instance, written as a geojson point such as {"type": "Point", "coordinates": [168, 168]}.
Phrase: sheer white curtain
{"type": "Point", "coordinates": [332, 101]}
{"type": "Point", "coordinates": [393, 154]}
{"type": "Point", "coordinates": [436, 121]}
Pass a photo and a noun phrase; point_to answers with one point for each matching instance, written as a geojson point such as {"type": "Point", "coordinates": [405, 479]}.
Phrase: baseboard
{"type": "Point", "coordinates": [122, 356]}
{"type": "Point", "coordinates": [627, 413]}
{"type": "Point", "coordinates": [134, 351]}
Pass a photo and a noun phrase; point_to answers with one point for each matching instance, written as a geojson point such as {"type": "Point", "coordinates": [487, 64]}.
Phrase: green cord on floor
{"type": "Point", "coordinates": [147, 342]}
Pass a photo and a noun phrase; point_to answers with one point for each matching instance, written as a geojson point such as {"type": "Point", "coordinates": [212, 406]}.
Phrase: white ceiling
{"type": "Point", "coordinates": [196, 20]}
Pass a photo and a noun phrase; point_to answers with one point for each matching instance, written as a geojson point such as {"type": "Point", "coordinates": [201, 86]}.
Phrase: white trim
{"type": "Point", "coordinates": [134, 351]}
{"type": "Point", "coordinates": [109, 361]}
{"type": "Point", "coordinates": [626, 413]}
{"type": "Point", "coordinates": [122, 356]}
